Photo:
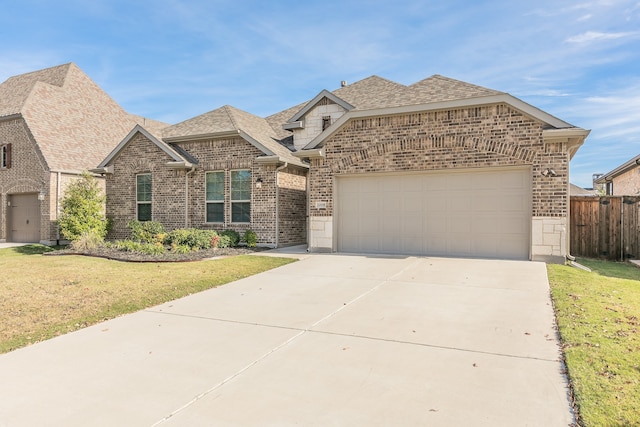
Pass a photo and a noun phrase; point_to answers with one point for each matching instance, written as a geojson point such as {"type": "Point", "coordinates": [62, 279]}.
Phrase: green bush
{"type": "Point", "coordinates": [233, 235]}
{"type": "Point", "coordinates": [225, 241]}
{"type": "Point", "coordinates": [180, 249]}
{"type": "Point", "coordinates": [191, 237]}
{"type": "Point", "coordinates": [83, 209]}
{"type": "Point", "coordinates": [139, 247]}
{"type": "Point", "coordinates": [146, 231]}
{"type": "Point", "coordinates": [250, 238]}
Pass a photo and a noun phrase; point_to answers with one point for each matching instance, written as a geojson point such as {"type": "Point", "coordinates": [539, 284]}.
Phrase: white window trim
{"type": "Point", "coordinates": [138, 202]}
{"type": "Point", "coordinates": [206, 202]}
{"type": "Point", "coordinates": [232, 201]}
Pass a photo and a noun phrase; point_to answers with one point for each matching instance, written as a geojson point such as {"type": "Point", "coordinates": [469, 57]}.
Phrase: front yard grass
{"type": "Point", "coordinates": [45, 296]}
{"type": "Point", "coordinates": [598, 319]}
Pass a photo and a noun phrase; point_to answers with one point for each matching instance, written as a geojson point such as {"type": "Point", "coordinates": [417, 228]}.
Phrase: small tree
{"type": "Point", "coordinates": [83, 209]}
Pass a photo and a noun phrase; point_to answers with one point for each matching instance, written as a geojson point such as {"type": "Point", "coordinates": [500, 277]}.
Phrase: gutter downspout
{"type": "Point", "coordinates": [186, 196]}
{"type": "Point", "coordinates": [278, 169]}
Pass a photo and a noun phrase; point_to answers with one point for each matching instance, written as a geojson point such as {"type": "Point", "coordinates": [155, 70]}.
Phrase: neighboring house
{"type": "Point", "coordinates": [623, 180]}
{"type": "Point", "coordinates": [440, 167]}
{"type": "Point", "coordinates": [574, 190]}
{"type": "Point", "coordinates": [54, 124]}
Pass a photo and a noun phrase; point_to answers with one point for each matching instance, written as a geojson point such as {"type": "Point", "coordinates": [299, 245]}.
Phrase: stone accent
{"type": "Point", "coordinates": [474, 137]}
{"type": "Point", "coordinates": [321, 233]}
{"type": "Point", "coordinates": [179, 196]}
{"type": "Point", "coordinates": [313, 122]}
{"type": "Point", "coordinates": [548, 238]}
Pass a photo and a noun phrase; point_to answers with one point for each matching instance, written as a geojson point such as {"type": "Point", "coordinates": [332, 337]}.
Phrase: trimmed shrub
{"type": "Point", "coordinates": [225, 241]}
{"type": "Point", "coordinates": [139, 247]}
{"type": "Point", "coordinates": [146, 231]}
{"type": "Point", "coordinates": [180, 249]}
{"type": "Point", "coordinates": [233, 235]}
{"type": "Point", "coordinates": [191, 237]}
{"type": "Point", "coordinates": [251, 238]}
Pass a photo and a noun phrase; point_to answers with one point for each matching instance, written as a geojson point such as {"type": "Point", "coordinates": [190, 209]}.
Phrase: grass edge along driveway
{"type": "Point", "coordinates": [45, 296]}
{"type": "Point", "coordinates": [597, 317]}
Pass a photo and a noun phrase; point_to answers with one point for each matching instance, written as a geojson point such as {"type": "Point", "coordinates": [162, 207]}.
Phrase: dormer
{"type": "Point", "coordinates": [316, 116]}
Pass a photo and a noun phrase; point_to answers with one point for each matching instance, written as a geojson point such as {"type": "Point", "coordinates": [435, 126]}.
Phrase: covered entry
{"type": "Point", "coordinates": [468, 213]}
{"type": "Point", "coordinates": [23, 218]}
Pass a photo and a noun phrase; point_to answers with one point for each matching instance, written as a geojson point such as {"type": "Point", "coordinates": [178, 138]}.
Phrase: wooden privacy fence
{"type": "Point", "coordinates": [605, 227]}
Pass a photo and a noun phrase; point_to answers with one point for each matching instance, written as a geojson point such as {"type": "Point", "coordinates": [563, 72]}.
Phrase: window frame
{"type": "Point", "coordinates": [5, 156]}
{"type": "Point", "coordinates": [207, 201]}
{"type": "Point", "coordinates": [144, 202]}
{"type": "Point", "coordinates": [239, 201]}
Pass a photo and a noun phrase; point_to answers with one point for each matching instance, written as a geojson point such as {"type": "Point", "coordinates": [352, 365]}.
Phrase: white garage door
{"type": "Point", "coordinates": [474, 213]}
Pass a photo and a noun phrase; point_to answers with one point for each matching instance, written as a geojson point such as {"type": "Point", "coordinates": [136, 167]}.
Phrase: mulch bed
{"type": "Point", "coordinates": [168, 256]}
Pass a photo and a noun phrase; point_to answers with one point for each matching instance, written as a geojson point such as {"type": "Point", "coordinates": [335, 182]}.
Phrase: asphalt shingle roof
{"type": "Point", "coordinates": [73, 121]}
{"type": "Point", "coordinates": [231, 119]}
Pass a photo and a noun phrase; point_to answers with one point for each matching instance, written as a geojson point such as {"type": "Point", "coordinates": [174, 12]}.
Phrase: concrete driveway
{"type": "Point", "coordinates": [332, 340]}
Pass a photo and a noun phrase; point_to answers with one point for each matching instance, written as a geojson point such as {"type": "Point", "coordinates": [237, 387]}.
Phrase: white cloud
{"type": "Point", "coordinates": [592, 36]}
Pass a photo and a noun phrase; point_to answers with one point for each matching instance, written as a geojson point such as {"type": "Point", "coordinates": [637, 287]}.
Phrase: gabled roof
{"type": "Point", "coordinates": [175, 155]}
{"type": "Point", "coordinates": [74, 123]}
{"type": "Point", "coordinates": [324, 94]}
{"type": "Point", "coordinates": [625, 167]}
{"type": "Point", "coordinates": [378, 96]}
{"type": "Point", "coordinates": [229, 121]}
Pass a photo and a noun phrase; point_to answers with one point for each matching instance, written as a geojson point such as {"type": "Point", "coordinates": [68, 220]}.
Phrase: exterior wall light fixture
{"type": "Point", "coordinates": [259, 183]}
{"type": "Point", "coordinates": [548, 172]}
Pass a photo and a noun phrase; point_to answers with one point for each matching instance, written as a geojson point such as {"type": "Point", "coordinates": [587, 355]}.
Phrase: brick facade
{"type": "Point", "coordinates": [27, 175]}
{"type": "Point", "coordinates": [477, 137]}
{"type": "Point", "coordinates": [179, 196]}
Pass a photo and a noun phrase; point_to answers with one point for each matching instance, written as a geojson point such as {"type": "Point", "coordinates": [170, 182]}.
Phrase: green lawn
{"type": "Point", "coordinates": [44, 296]}
{"type": "Point", "coordinates": [598, 316]}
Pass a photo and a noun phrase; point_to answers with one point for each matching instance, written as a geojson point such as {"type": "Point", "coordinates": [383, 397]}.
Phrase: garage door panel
{"type": "Point", "coordinates": [470, 213]}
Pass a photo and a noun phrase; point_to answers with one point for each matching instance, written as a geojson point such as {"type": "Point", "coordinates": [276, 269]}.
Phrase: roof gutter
{"type": "Point", "coordinates": [574, 137]}
{"type": "Point", "coordinates": [201, 136]}
{"type": "Point", "coordinates": [100, 171]}
{"type": "Point", "coordinates": [317, 153]}
{"type": "Point", "coordinates": [11, 117]}
{"type": "Point", "coordinates": [180, 165]}
{"type": "Point", "coordinates": [277, 160]}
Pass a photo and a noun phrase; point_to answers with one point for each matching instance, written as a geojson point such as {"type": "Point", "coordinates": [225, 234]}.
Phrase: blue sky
{"type": "Point", "coordinates": [171, 60]}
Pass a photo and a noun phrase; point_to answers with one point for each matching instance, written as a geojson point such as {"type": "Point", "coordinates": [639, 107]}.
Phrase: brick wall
{"type": "Point", "coordinates": [628, 183]}
{"type": "Point", "coordinates": [27, 174]}
{"type": "Point", "coordinates": [292, 207]}
{"type": "Point", "coordinates": [169, 188]}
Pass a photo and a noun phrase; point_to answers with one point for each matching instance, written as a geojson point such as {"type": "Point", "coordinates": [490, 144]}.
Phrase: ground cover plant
{"type": "Point", "coordinates": [598, 317]}
{"type": "Point", "coordinates": [42, 296]}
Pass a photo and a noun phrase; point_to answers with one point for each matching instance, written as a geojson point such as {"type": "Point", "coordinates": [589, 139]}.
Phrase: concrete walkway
{"type": "Point", "coordinates": [330, 340]}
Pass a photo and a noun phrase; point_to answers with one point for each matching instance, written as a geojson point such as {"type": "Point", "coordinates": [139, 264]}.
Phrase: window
{"type": "Point", "coordinates": [215, 196]}
{"type": "Point", "coordinates": [143, 196]}
{"type": "Point", "coordinates": [326, 122]}
{"type": "Point", "coordinates": [241, 196]}
{"type": "Point", "coordinates": [5, 156]}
